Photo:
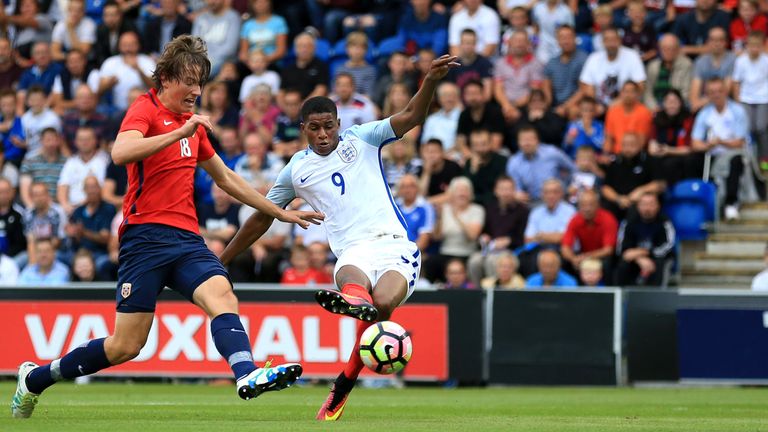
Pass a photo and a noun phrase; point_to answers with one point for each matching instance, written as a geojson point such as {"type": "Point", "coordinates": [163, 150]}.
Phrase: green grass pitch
{"type": "Point", "coordinates": [166, 407]}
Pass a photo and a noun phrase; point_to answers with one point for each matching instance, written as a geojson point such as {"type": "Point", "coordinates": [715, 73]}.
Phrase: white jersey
{"type": "Point", "coordinates": [347, 185]}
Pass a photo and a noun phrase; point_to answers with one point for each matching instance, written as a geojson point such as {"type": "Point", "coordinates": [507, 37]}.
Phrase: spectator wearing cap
{"type": "Point", "coordinates": [473, 66]}
{"type": "Point", "coordinates": [75, 32]}
{"type": "Point", "coordinates": [646, 245]}
{"type": "Point", "coordinates": [715, 62]}
{"type": "Point", "coordinates": [606, 71]}
{"type": "Point", "coordinates": [671, 70]}
{"type": "Point", "coordinates": [692, 27]}
{"type": "Point", "coordinates": [550, 274]}
{"type": "Point", "coordinates": [480, 18]}
{"type": "Point", "coordinates": [536, 163]}
{"type": "Point", "coordinates": [437, 172]}
{"type": "Point", "coordinates": [561, 74]}
{"type": "Point", "coordinates": [628, 114]}
{"type": "Point", "coordinates": [162, 28]}
{"type": "Point", "coordinates": [219, 27]}
{"type": "Point", "coordinates": [108, 32]}
{"type": "Point", "coordinates": [478, 114]}
{"type": "Point", "coordinates": [123, 72]}
{"type": "Point", "coordinates": [515, 75]}
{"type": "Point", "coordinates": [591, 233]}
{"type": "Point", "coordinates": [443, 124]}
{"type": "Point", "coordinates": [421, 26]}
{"type": "Point", "coordinates": [721, 129]}
{"type": "Point", "coordinates": [308, 74]}
{"type": "Point", "coordinates": [630, 175]}
{"type": "Point", "coordinates": [353, 108]}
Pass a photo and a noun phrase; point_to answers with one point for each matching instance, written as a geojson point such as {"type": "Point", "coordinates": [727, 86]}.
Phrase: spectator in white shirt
{"type": "Point", "coordinates": [257, 63]}
{"type": "Point", "coordinates": [353, 108]}
{"type": "Point", "coordinates": [750, 87]}
{"type": "Point", "coordinates": [88, 161]}
{"type": "Point", "coordinates": [76, 31]}
{"type": "Point", "coordinates": [125, 71]}
{"type": "Point", "coordinates": [38, 118]}
{"type": "Point", "coordinates": [606, 71]}
{"type": "Point", "coordinates": [549, 15]}
{"type": "Point", "coordinates": [480, 18]}
{"type": "Point", "coordinates": [443, 124]}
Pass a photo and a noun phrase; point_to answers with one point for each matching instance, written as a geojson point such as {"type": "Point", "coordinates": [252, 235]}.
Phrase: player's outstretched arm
{"type": "Point", "coordinates": [416, 110]}
{"type": "Point", "coordinates": [132, 145]}
{"type": "Point", "coordinates": [238, 188]}
{"type": "Point", "coordinates": [252, 230]}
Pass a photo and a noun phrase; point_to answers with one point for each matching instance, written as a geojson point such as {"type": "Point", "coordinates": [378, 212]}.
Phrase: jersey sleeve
{"type": "Point", "coordinates": [282, 193]}
{"type": "Point", "coordinates": [205, 149]}
{"type": "Point", "coordinates": [138, 117]}
{"type": "Point", "coordinates": [376, 133]}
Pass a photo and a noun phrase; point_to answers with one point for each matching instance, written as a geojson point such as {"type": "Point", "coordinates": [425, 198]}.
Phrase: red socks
{"type": "Point", "coordinates": [357, 291]}
{"type": "Point", "coordinates": [355, 363]}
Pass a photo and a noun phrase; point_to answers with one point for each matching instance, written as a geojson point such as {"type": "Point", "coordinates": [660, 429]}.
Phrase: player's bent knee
{"type": "Point", "coordinates": [119, 351]}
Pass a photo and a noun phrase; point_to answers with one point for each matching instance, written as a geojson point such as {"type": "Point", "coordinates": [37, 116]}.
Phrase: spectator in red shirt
{"type": "Point", "coordinates": [591, 233]}
{"type": "Point", "coordinates": [747, 20]}
{"type": "Point", "coordinates": [300, 273]}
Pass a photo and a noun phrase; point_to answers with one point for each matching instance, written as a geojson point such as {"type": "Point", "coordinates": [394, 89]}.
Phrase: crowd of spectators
{"type": "Point", "coordinates": [543, 162]}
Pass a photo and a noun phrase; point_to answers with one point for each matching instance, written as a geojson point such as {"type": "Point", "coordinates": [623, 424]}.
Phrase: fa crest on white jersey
{"type": "Point", "coordinates": [346, 151]}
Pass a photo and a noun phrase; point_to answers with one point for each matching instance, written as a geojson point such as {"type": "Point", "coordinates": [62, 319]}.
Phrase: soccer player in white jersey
{"type": "Point", "coordinates": [342, 177]}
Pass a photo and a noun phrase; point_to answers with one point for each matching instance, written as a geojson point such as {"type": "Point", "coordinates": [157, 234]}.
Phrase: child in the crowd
{"type": "Point", "coordinates": [586, 130]}
{"type": "Point", "coordinates": [300, 273]}
{"type": "Point", "coordinates": [587, 175]}
{"type": "Point", "coordinates": [591, 273]}
{"type": "Point", "coordinates": [257, 63]}
{"type": "Point", "coordinates": [603, 18]}
{"type": "Point", "coordinates": [751, 89]}
{"type": "Point", "coordinates": [748, 19]}
{"type": "Point", "coordinates": [518, 21]}
{"type": "Point", "coordinates": [364, 73]}
{"type": "Point", "coordinates": [638, 34]}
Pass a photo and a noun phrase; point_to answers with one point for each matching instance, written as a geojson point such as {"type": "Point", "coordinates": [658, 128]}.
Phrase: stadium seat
{"type": "Point", "coordinates": [389, 45]}
{"type": "Point", "coordinates": [323, 49]}
{"type": "Point", "coordinates": [690, 205]}
{"type": "Point", "coordinates": [584, 42]}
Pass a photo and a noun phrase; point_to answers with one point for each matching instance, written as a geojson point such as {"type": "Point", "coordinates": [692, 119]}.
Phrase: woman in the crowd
{"type": "Point", "coordinates": [265, 32]}
{"type": "Point", "coordinates": [671, 140]}
{"type": "Point", "coordinates": [259, 113]}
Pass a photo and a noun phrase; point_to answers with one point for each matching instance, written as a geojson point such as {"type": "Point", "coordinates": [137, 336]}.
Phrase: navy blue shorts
{"type": "Point", "coordinates": [155, 256]}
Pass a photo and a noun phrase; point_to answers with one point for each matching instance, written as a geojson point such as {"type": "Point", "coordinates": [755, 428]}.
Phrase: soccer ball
{"type": "Point", "coordinates": [385, 347]}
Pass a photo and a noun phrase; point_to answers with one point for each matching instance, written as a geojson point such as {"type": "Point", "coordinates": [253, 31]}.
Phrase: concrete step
{"type": "Point", "coordinates": [760, 236]}
{"type": "Point", "coordinates": [727, 262]}
{"type": "Point", "coordinates": [754, 214]}
{"type": "Point", "coordinates": [736, 272]}
{"type": "Point", "coordinates": [755, 205]}
{"type": "Point", "coordinates": [715, 282]}
{"type": "Point", "coordinates": [735, 248]}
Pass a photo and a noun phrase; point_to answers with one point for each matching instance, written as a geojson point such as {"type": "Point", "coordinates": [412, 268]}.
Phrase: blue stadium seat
{"type": "Point", "coordinates": [323, 49]}
{"type": "Point", "coordinates": [389, 45]}
{"type": "Point", "coordinates": [584, 42]}
{"type": "Point", "coordinates": [690, 205]}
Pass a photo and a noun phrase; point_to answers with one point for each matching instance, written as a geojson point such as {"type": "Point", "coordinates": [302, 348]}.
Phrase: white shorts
{"type": "Point", "coordinates": [385, 254]}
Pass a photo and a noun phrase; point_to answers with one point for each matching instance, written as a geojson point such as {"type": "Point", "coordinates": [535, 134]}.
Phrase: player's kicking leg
{"type": "Point", "coordinates": [131, 330]}
{"type": "Point", "coordinates": [390, 291]}
{"type": "Point", "coordinates": [216, 298]}
{"type": "Point", "coordinates": [354, 298]}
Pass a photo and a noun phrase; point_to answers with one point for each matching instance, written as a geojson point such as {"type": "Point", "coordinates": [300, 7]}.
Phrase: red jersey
{"type": "Point", "coordinates": [291, 276]}
{"type": "Point", "coordinates": [591, 235]}
{"type": "Point", "coordinates": [161, 187]}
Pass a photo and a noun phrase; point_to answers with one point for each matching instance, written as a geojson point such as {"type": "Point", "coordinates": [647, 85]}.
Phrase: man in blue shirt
{"type": "Point", "coordinates": [550, 275]}
{"type": "Point", "coordinates": [46, 270]}
{"type": "Point", "coordinates": [418, 213]}
{"type": "Point", "coordinates": [536, 163]}
{"type": "Point", "coordinates": [89, 226]}
{"type": "Point", "coordinates": [43, 73]}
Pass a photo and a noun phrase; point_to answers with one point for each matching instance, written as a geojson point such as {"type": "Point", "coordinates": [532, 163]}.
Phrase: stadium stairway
{"type": "Point", "coordinates": [731, 255]}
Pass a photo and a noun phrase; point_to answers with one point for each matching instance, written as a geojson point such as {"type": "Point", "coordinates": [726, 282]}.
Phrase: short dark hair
{"type": "Point", "coordinates": [318, 105]}
{"type": "Point", "coordinates": [345, 75]}
{"type": "Point", "coordinates": [469, 31]}
{"type": "Point", "coordinates": [503, 178]}
{"type": "Point", "coordinates": [183, 57]}
{"type": "Point", "coordinates": [631, 84]}
{"type": "Point", "coordinates": [434, 141]}
{"type": "Point", "coordinates": [527, 128]}
{"type": "Point", "coordinates": [35, 88]}
{"type": "Point", "coordinates": [48, 130]}
{"type": "Point", "coordinates": [587, 99]}
{"type": "Point", "coordinates": [473, 82]}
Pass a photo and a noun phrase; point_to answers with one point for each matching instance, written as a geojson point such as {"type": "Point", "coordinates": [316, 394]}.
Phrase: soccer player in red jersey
{"type": "Point", "coordinates": [162, 142]}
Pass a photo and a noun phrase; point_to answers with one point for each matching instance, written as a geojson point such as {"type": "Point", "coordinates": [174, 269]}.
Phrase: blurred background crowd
{"type": "Point", "coordinates": [544, 160]}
